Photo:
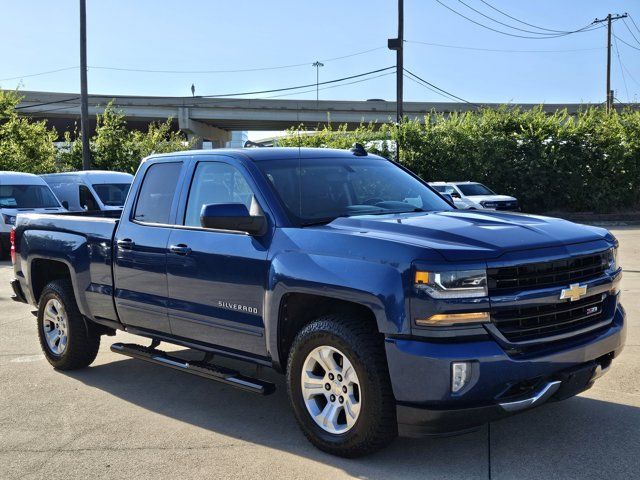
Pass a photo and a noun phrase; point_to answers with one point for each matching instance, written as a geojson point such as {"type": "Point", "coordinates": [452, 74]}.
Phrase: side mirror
{"type": "Point", "coordinates": [65, 205]}
{"type": "Point", "coordinates": [234, 217]}
{"type": "Point", "coordinates": [454, 195]}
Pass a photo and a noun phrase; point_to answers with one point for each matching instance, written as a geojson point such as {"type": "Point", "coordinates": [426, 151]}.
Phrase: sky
{"type": "Point", "coordinates": [190, 35]}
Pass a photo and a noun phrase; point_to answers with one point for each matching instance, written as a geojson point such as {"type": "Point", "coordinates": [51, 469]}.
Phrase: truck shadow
{"type": "Point", "coordinates": [578, 438]}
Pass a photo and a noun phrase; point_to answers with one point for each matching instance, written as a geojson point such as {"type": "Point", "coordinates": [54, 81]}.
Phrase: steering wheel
{"type": "Point", "coordinates": [373, 201]}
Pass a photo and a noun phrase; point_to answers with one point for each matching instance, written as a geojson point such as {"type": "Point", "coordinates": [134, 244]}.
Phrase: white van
{"type": "Point", "coordinates": [22, 192]}
{"type": "Point", "coordinates": [90, 189]}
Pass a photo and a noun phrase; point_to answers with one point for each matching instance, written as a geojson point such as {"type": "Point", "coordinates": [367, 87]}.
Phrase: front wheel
{"type": "Point", "coordinates": [339, 386]}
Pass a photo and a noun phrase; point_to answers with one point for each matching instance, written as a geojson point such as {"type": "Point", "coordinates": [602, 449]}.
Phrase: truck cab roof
{"type": "Point", "coordinates": [269, 153]}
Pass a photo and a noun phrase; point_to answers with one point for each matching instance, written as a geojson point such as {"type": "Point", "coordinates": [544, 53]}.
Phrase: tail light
{"type": "Point", "coordinates": [12, 239]}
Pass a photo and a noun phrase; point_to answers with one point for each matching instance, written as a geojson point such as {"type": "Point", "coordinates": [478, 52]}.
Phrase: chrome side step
{"type": "Point", "coordinates": [200, 368]}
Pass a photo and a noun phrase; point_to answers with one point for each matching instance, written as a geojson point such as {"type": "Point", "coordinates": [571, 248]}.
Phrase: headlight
{"type": "Point", "coordinates": [612, 259]}
{"type": "Point", "coordinates": [9, 219]}
{"type": "Point", "coordinates": [453, 284]}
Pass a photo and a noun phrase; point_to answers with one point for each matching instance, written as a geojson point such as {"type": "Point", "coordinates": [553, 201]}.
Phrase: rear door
{"type": "Point", "coordinates": [217, 278]}
{"type": "Point", "coordinates": [140, 269]}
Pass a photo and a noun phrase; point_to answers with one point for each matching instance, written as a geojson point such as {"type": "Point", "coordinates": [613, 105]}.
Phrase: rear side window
{"type": "Point", "coordinates": [156, 194]}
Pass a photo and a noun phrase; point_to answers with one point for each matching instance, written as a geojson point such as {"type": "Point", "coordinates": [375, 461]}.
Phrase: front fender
{"type": "Point", "coordinates": [377, 286]}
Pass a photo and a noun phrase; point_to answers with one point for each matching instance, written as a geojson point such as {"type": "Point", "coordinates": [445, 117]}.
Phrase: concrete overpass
{"type": "Point", "coordinates": [215, 118]}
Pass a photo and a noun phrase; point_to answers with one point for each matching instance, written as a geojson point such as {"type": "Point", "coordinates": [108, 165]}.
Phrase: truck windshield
{"type": "Point", "coordinates": [316, 191]}
{"type": "Point", "coordinates": [471, 189]}
{"type": "Point", "coordinates": [112, 194]}
{"type": "Point", "coordinates": [27, 196]}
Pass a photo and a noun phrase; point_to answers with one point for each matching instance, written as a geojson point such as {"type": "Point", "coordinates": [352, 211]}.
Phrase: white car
{"type": "Point", "coordinates": [475, 196]}
{"type": "Point", "coordinates": [91, 189]}
{"type": "Point", "coordinates": [19, 193]}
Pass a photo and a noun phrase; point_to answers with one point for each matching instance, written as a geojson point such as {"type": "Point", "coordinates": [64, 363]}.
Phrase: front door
{"type": "Point", "coordinates": [217, 278]}
{"type": "Point", "coordinates": [140, 269]}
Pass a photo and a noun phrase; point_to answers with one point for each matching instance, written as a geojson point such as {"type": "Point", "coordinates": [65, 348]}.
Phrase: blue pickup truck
{"type": "Point", "coordinates": [388, 310]}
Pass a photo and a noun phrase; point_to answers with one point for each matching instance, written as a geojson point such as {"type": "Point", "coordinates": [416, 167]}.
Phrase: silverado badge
{"type": "Point", "coordinates": [574, 292]}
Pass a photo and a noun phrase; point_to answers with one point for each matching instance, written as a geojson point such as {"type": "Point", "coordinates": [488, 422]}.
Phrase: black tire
{"type": "Point", "coordinates": [83, 341]}
{"type": "Point", "coordinates": [376, 425]}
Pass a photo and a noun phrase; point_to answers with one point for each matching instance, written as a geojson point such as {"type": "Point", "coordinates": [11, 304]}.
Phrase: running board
{"type": "Point", "coordinates": [200, 368]}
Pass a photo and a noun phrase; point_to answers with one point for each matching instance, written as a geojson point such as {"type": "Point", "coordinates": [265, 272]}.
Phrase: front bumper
{"type": "Point", "coordinates": [500, 386]}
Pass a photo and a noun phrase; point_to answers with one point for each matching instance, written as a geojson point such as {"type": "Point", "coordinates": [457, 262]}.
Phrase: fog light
{"type": "Point", "coordinates": [460, 375]}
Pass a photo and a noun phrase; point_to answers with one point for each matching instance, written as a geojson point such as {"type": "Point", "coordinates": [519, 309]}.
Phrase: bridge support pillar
{"type": "Point", "coordinates": [198, 131]}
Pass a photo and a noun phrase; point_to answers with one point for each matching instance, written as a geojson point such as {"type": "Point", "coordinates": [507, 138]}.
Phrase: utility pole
{"type": "Point", "coordinates": [317, 64]}
{"type": "Point", "coordinates": [609, 18]}
{"type": "Point", "coordinates": [84, 100]}
{"type": "Point", "coordinates": [397, 44]}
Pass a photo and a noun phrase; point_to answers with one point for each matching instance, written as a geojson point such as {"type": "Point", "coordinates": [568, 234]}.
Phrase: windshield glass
{"type": "Point", "coordinates": [320, 190]}
{"type": "Point", "coordinates": [470, 189]}
{"type": "Point", "coordinates": [27, 196]}
{"type": "Point", "coordinates": [112, 194]}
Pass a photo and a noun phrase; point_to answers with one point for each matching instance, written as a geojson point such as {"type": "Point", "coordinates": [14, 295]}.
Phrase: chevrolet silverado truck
{"type": "Point", "coordinates": [388, 310]}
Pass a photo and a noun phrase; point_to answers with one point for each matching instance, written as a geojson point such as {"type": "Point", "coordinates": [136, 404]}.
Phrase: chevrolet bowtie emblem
{"type": "Point", "coordinates": [574, 292]}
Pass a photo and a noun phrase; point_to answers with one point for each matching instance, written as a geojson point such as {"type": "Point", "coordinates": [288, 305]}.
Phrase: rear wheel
{"type": "Point", "coordinates": [339, 386]}
{"type": "Point", "coordinates": [67, 341]}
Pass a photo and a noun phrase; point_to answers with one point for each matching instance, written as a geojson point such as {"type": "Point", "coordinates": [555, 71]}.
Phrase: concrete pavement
{"type": "Point", "coordinates": [123, 418]}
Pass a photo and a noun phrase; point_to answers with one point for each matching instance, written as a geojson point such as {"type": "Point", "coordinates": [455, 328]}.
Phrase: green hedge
{"type": "Point", "coordinates": [559, 162]}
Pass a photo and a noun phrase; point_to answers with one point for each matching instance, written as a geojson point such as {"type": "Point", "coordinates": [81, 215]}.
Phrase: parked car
{"type": "Point", "coordinates": [475, 196]}
{"type": "Point", "coordinates": [388, 310]}
{"type": "Point", "coordinates": [22, 192]}
{"type": "Point", "coordinates": [91, 189]}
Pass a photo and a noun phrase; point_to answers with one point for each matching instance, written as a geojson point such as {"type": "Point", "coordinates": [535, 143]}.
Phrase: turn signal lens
{"type": "Point", "coordinates": [422, 278]}
{"type": "Point", "coordinates": [449, 319]}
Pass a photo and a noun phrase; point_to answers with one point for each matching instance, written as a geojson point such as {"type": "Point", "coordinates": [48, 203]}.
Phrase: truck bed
{"type": "Point", "coordinates": [84, 243]}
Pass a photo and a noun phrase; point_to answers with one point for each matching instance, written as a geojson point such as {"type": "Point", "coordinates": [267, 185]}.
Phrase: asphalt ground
{"type": "Point", "coordinates": [124, 418]}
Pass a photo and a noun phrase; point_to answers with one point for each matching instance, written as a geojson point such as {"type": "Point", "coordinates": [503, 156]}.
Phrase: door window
{"type": "Point", "coordinates": [156, 194]}
{"type": "Point", "coordinates": [215, 183]}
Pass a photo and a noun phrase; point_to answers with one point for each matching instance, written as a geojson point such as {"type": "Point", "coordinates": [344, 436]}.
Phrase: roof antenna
{"type": "Point", "coordinates": [358, 150]}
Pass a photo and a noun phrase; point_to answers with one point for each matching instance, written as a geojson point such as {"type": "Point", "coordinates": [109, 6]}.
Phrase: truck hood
{"type": "Point", "coordinates": [465, 235]}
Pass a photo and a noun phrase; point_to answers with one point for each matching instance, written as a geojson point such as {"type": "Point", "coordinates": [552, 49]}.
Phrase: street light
{"type": "Point", "coordinates": [317, 64]}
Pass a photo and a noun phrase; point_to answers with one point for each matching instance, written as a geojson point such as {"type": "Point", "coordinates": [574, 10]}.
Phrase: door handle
{"type": "Point", "coordinates": [125, 244]}
{"type": "Point", "coordinates": [180, 249]}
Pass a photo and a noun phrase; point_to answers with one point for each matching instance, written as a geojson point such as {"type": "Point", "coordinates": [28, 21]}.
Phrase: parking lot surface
{"type": "Point", "coordinates": [123, 418]}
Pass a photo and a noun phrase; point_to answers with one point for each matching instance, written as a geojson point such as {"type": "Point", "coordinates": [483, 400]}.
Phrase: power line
{"type": "Point", "coordinates": [520, 21]}
{"type": "Point", "coordinates": [583, 29]}
{"type": "Point", "coordinates": [439, 89]}
{"type": "Point", "coordinates": [38, 74]}
{"type": "Point", "coordinates": [501, 50]}
{"type": "Point", "coordinates": [201, 72]}
{"type": "Point", "coordinates": [634, 23]}
{"type": "Point", "coordinates": [297, 87]}
{"type": "Point", "coordinates": [624, 79]}
{"type": "Point", "coordinates": [630, 31]}
{"type": "Point", "coordinates": [510, 26]}
{"type": "Point", "coordinates": [240, 70]}
{"type": "Point", "coordinates": [334, 86]}
{"type": "Point", "coordinates": [626, 43]}
{"type": "Point", "coordinates": [429, 88]}
{"type": "Point", "coordinates": [46, 103]}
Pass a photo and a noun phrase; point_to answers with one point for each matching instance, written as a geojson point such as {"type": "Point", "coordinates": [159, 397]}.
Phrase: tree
{"type": "Point", "coordinates": [115, 147]}
{"type": "Point", "coordinates": [25, 145]}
